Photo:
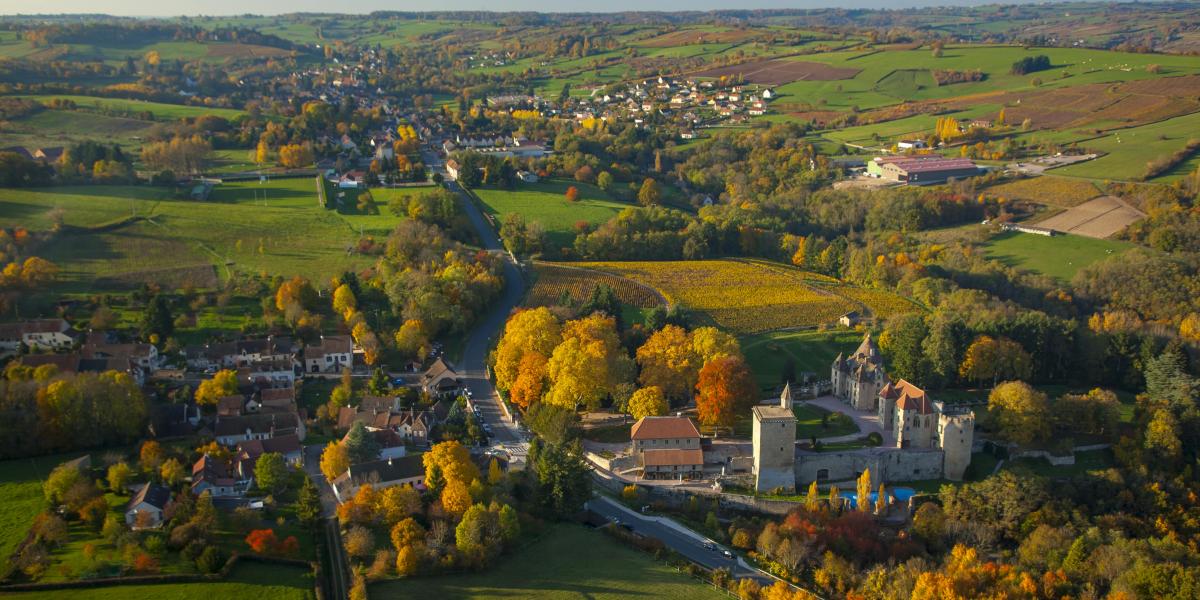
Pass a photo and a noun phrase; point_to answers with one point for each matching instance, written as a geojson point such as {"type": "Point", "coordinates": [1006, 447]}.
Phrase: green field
{"type": "Point", "coordinates": [545, 203]}
{"type": "Point", "coordinates": [570, 561]}
{"type": "Point", "coordinates": [1128, 150]}
{"type": "Point", "coordinates": [275, 228]}
{"type": "Point", "coordinates": [65, 127]}
{"type": "Point", "coordinates": [1060, 256]}
{"type": "Point", "coordinates": [21, 489]}
{"type": "Point", "coordinates": [249, 580]}
{"type": "Point", "coordinates": [809, 351]}
{"type": "Point", "coordinates": [161, 111]}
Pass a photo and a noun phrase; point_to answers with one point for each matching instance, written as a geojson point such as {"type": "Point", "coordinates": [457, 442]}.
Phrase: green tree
{"type": "Point", "coordinates": [649, 194]}
{"type": "Point", "coordinates": [379, 384]}
{"type": "Point", "coordinates": [902, 340]}
{"type": "Point", "coordinates": [564, 480]}
{"type": "Point", "coordinates": [60, 482]}
{"type": "Point", "coordinates": [308, 504]}
{"type": "Point", "coordinates": [361, 445]}
{"type": "Point", "coordinates": [477, 536]}
{"type": "Point", "coordinates": [157, 319]}
{"type": "Point", "coordinates": [119, 475]}
{"type": "Point", "coordinates": [604, 180]}
{"type": "Point", "coordinates": [271, 472]}
{"type": "Point", "coordinates": [1020, 413]}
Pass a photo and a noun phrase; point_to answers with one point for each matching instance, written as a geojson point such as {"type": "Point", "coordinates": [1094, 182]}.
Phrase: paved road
{"type": "Point", "coordinates": [479, 341]}
{"type": "Point", "coordinates": [686, 542]}
{"type": "Point", "coordinates": [339, 578]}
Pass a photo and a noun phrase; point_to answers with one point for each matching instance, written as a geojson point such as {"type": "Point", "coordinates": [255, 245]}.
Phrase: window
{"type": "Point", "coordinates": [822, 474]}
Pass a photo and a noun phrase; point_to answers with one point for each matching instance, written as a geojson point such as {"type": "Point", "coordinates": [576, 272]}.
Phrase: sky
{"type": "Point", "coordinates": [270, 7]}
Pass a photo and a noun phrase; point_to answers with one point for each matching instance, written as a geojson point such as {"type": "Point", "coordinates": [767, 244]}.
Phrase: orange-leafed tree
{"type": "Point", "coordinates": [536, 330]}
{"type": "Point", "coordinates": [456, 498]}
{"type": "Point", "coordinates": [726, 387]}
{"type": "Point", "coordinates": [572, 194]}
{"type": "Point", "coordinates": [531, 380]}
{"type": "Point", "coordinates": [262, 540]}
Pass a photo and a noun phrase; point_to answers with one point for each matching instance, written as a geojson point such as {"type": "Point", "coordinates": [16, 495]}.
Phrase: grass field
{"type": "Point", "coordinates": [1128, 150]}
{"type": "Point", "coordinates": [248, 580]}
{"type": "Point", "coordinates": [161, 111]}
{"type": "Point", "coordinates": [809, 352]}
{"type": "Point", "coordinates": [1063, 192]}
{"type": "Point", "coordinates": [545, 203]}
{"type": "Point", "coordinates": [1060, 256]}
{"type": "Point", "coordinates": [569, 562]}
{"type": "Point", "coordinates": [65, 127]}
{"type": "Point", "coordinates": [780, 296]}
{"type": "Point", "coordinates": [21, 489]}
{"type": "Point", "coordinates": [272, 228]}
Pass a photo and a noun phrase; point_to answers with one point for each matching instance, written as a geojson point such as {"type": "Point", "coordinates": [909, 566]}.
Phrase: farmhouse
{"type": "Point", "coordinates": [664, 433]}
{"type": "Point", "coordinates": [440, 378]}
{"type": "Point", "coordinates": [50, 334]}
{"type": "Point", "coordinates": [921, 170]}
{"type": "Point", "coordinates": [214, 476]}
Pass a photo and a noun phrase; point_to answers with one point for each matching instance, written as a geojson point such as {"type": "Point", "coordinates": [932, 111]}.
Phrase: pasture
{"type": "Point", "coordinates": [1060, 257]}
{"type": "Point", "coordinates": [21, 488]}
{"type": "Point", "coordinates": [161, 111]}
{"type": "Point", "coordinates": [65, 127]}
{"type": "Point", "coordinates": [119, 236]}
{"type": "Point", "coordinates": [569, 561]}
{"type": "Point", "coordinates": [546, 203]}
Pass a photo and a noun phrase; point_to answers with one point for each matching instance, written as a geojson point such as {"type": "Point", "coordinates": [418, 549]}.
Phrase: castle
{"type": "Point", "coordinates": [922, 438]}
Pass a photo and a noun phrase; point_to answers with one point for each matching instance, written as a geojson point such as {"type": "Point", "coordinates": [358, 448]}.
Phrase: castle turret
{"type": "Point", "coordinates": [786, 400]}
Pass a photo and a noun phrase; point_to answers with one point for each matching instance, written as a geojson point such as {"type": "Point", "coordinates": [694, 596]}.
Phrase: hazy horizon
{"type": "Point", "coordinates": [215, 8]}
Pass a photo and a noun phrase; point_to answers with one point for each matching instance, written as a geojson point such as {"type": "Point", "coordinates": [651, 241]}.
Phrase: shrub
{"type": "Point", "coordinates": [210, 560]}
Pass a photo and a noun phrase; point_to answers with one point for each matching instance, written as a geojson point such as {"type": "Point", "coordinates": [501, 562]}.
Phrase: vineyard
{"type": "Point", "coordinates": [554, 280]}
{"type": "Point", "coordinates": [739, 296]}
{"type": "Point", "coordinates": [883, 304]}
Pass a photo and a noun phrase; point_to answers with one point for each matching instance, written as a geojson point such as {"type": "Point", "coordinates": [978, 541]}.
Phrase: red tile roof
{"type": "Point", "coordinates": [668, 458]}
{"type": "Point", "coordinates": [658, 428]}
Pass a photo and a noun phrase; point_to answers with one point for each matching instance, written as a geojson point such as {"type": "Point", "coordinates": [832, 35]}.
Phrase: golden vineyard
{"type": "Point", "coordinates": [553, 281]}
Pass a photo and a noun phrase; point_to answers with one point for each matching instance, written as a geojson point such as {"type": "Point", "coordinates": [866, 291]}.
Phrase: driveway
{"type": "Point", "coordinates": [686, 542]}
{"type": "Point", "coordinates": [867, 421]}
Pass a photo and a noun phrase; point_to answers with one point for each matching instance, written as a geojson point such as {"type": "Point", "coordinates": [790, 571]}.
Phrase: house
{"type": "Point", "coordinates": [248, 452]}
{"type": "Point", "coordinates": [452, 169]}
{"type": "Point", "coordinates": [911, 144]}
{"type": "Point", "coordinates": [440, 379]}
{"type": "Point", "coordinates": [411, 425]}
{"type": "Point", "coordinates": [50, 154]}
{"type": "Point", "coordinates": [383, 473]}
{"type": "Point", "coordinates": [44, 334]}
{"type": "Point", "coordinates": [664, 433]}
{"type": "Point", "coordinates": [213, 476]}
{"type": "Point", "coordinates": [334, 353]}
{"type": "Point", "coordinates": [145, 510]}
{"type": "Point", "coordinates": [850, 319]}
{"type": "Point", "coordinates": [143, 356]}
{"type": "Point", "coordinates": [269, 372]}
{"type": "Point", "coordinates": [231, 430]}
{"type": "Point", "coordinates": [231, 406]}
{"type": "Point", "coordinates": [672, 463]}
{"type": "Point", "coordinates": [352, 180]}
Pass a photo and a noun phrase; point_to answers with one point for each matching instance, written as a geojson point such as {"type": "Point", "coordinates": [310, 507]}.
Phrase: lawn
{"type": "Point", "coordinates": [249, 580]}
{"type": "Point", "coordinates": [809, 351]}
{"type": "Point", "coordinates": [274, 228]}
{"type": "Point", "coordinates": [570, 561]}
{"type": "Point", "coordinates": [545, 202]}
{"type": "Point", "coordinates": [1091, 460]}
{"type": "Point", "coordinates": [1060, 256]}
{"type": "Point", "coordinates": [811, 421]}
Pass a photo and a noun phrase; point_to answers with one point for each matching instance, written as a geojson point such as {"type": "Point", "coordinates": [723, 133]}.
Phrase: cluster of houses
{"type": "Point", "coordinates": [46, 154]}
{"type": "Point", "coordinates": [686, 103]}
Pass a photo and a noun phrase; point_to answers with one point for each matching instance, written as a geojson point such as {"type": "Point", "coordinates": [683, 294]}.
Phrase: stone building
{"type": "Point", "coordinates": [858, 378]}
{"type": "Point", "coordinates": [774, 442]}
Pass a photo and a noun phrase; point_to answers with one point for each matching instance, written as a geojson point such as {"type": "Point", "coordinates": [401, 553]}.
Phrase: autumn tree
{"type": "Point", "coordinates": [725, 389]}
{"type": "Point", "coordinates": [1020, 413]}
{"type": "Point", "coordinates": [531, 380]}
{"type": "Point", "coordinates": [996, 359]}
{"type": "Point", "coordinates": [863, 501]}
{"type": "Point", "coordinates": [119, 476]}
{"type": "Point", "coordinates": [151, 455]}
{"type": "Point", "coordinates": [588, 363]}
{"type": "Point", "coordinates": [344, 301]}
{"type": "Point", "coordinates": [262, 541]}
{"type": "Point", "coordinates": [649, 194]}
{"type": "Point", "coordinates": [572, 194]}
{"type": "Point", "coordinates": [335, 459]}
{"type": "Point", "coordinates": [412, 340]}
{"type": "Point", "coordinates": [222, 384]}
{"type": "Point", "coordinates": [647, 402]}
{"type": "Point", "coordinates": [451, 461]}
{"type": "Point", "coordinates": [667, 362]}
{"type": "Point", "coordinates": [295, 297]}
{"type": "Point", "coordinates": [295, 156]}
{"type": "Point", "coordinates": [171, 472]}
{"type": "Point", "coordinates": [455, 497]}
{"type": "Point", "coordinates": [528, 331]}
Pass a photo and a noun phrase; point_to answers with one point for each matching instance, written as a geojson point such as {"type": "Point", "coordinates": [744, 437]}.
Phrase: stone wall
{"type": "Point", "coordinates": [886, 464]}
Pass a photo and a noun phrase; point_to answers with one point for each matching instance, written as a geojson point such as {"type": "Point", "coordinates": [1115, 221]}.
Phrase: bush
{"type": "Point", "coordinates": [210, 560]}
{"type": "Point", "coordinates": [874, 439]}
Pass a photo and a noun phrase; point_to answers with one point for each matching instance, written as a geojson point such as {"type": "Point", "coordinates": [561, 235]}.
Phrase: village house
{"type": "Point", "coordinates": [145, 510]}
{"type": "Point", "coordinates": [331, 355]}
{"type": "Point", "coordinates": [440, 379]}
{"type": "Point", "coordinates": [234, 429]}
{"type": "Point", "coordinates": [248, 453]}
{"type": "Point", "coordinates": [42, 334]}
{"type": "Point", "coordinates": [667, 447]}
{"type": "Point", "coordinates": [214, 476]}
{"type": "Point", "coordinates": [383, 473]}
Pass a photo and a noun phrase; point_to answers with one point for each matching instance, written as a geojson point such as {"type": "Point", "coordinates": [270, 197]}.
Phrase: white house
{"type": "Point", "coordinates": [48, 334]}
{"type": "Point", "coordinates": [145, 509]}
{"type": "Point", "coordinates": [334, 353]}
{"type": "Point", "coordinates": [385, 473]}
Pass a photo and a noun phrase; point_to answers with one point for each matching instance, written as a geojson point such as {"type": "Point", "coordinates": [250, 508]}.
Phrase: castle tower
{"type": "Point", "coordinates": [955, 435]}
{"type": "Point", "coordinates": [774, 441]}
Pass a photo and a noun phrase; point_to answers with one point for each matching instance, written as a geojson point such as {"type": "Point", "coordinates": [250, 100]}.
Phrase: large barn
{"type": "Point", "coordinates": [921, 170]}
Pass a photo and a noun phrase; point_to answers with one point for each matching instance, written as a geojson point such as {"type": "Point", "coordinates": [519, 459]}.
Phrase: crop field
{"type": "Point", "coordinates": [545, 202]}
{"type": "Point", "coordinates": [1063, 192]}
{"type": "Point", "coordinates": [1099, 218]}
{"type": "Point", "coordinates": [64, 127]}
{"type": "Point", "coordinates": [568, 562]}
{"type": "Point", "coordinates": [738, 296]}
{"type": "Point", "coordinates": [1059, 256]}
{"type": "Point", "coordinates": [123, 235]}
{"type": "Point", "coordinates": [554, 280]}
{"type": "Point", "coordinates": [689, 36]}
